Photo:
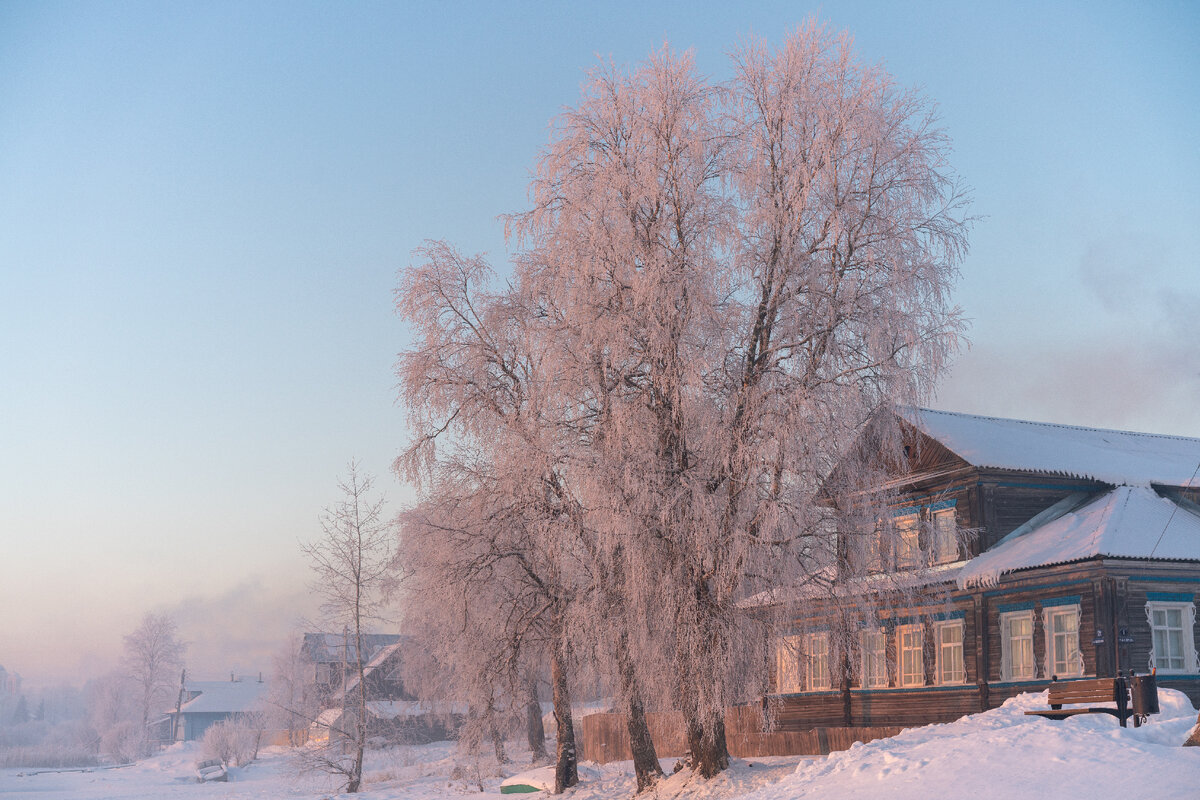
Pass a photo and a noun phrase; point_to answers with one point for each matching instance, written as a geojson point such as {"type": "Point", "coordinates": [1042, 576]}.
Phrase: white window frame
{"type": "Point", "coordinates": [874, 659]}
{"type": "Point", "coordinates": [1075, 663]}
{"type": "Point", "coordinates": [939, 631]}
{"type": "Point", "coordinates": [1187, 617]}
{"type": "Point", "coordinates": [787, 665]}
{"type": "Point", "coordinates": [908, 541]}
{"type": "Point", "coordinates": [944, 536]}
{"type": "Point", "coordinates": [816, 661]}
{"type": "Point", "coordinates": [908, 678]}
{"type": "Point", "coordinates": [1009, 671]}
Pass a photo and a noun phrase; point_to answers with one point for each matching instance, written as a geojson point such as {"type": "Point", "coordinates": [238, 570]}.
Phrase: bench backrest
{"type": "Point", "coordinates": [1096, 690]}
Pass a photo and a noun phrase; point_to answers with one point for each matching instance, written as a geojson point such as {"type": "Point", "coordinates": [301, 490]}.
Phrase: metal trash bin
{"type": "Point", "coordinates": [1144, 689]}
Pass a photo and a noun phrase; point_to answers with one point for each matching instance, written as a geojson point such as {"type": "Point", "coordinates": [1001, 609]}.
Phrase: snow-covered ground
{"type": "Point", "coordinates": [998, 754]}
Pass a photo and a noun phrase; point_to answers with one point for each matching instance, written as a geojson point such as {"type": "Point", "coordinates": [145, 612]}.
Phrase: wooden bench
{"type": "Point", "coordinates": [1144, 700]}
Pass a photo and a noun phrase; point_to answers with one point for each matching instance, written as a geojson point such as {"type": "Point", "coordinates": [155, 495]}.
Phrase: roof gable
{"type": "Point", "coordinates": [1114, 457]}
{"type": "Point", "coordinates": [1127, 522]}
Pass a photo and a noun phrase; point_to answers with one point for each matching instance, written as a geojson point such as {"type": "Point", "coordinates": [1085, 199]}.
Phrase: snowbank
{"type": "Point", "coordinates": [1004, 754]}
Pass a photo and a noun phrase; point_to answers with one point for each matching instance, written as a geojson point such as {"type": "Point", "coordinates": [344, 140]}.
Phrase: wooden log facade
{"type": "Point", "coordinates": [1080, 618]}
{"type": "Point", "coordinates": [604, 738]}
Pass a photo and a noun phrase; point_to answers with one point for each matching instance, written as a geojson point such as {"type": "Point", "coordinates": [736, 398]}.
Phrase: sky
{"type": "Point", "coordinates": [204, 206]}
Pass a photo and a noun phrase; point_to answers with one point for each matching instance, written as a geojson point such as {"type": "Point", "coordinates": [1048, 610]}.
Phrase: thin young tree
{"type": "Point", "coordinates": [152, 659]}
{"type": "Point", "coordinates": [351, 562]}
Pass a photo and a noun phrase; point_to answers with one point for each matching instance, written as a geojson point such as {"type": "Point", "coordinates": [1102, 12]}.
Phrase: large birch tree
{"type": "Point", "coordinates": [719, 285]}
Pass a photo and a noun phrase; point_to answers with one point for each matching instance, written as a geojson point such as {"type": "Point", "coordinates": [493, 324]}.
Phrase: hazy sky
{"type": "Point", "coordinates": [203, 208]}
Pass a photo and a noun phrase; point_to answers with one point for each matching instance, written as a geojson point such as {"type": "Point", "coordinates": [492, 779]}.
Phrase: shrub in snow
{"type": "Point", "coordinates": [232, 741]}
{"type": "Point", "coordinates": [124, 742]}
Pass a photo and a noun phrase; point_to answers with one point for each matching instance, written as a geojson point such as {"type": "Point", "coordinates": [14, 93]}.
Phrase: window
{"type": "Point", "coordinates": [908, 530]}
{"type": "Point", "coordinates": [874, 660]}
{"type": "Point", "coordinates": [950, 652]}
{"type": "Point", "coordinates": [1063, 657]}
{"type": "Point", "coordinates": [816, 652]}
{"type": "Point", "coordinates": [1016, 646]}
{"type": "Point", "coordinates": [787, 665]}
{"type": "Point", "coordinates": [876, 560]}
{"type": "Point", "coordinates": [945, 536]}
{"type": "Point", "coordinates": [1172, 645]}
{"type": "Point", "coordinates": [910, 641]}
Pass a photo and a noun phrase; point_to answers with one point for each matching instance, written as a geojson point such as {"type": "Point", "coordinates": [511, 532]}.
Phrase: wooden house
{"type": "Point", "coordinates": [333, 658]}
{"type": "Point", "coordinates": [1083, 560]}
{"type": "Point", "coordinates": [202, 704]}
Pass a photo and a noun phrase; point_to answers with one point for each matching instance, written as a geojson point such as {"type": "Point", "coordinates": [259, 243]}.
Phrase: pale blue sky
{"type": "Point", "coordinates": [203, 207]}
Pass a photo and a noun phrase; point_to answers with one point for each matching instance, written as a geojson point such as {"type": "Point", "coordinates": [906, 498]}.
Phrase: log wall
{"type": "Point", "coordinates": [604, 738]}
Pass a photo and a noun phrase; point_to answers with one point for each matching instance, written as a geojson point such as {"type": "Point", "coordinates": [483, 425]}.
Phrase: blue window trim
{"type": "Point", "coordinates": [1035, 588]}
{"type": "Point", "coordinates": [908, 511]}
{"type": "Point", "coordinates": [1170, 597]}
{"type": "Point", "coordinates": [1164, 578]}
{"type": "Point", "coordinates": [1068, 600]}
{"type": "Point", "coordinates": [1008, 608]}
{"type": "Point", "coordinates": [917, 620]}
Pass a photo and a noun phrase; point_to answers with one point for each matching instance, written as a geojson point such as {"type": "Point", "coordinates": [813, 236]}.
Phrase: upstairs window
{"type": "Point", "coordinates": [1172, 644]}
{"type": "Point", "coordinates": [908, 541]}
{"type": "Point", "coordinates": [1016, 646]}
{"type": "Point", "coordinates": [945, 536]}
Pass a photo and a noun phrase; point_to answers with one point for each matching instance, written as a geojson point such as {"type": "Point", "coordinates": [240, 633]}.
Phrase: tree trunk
{"type": "Point", "coordinates": [645, 757]}
{"type": "Point", "coordinates": [534, 729]}
{"type": "Point", "coordinates": [1193, 739]}
{"type": "Point", "coordinates": [566, 767]}
{"type": "Point", "coordinates": [709, 752]}
{"type": "Point", "coordinates": [497, 738]}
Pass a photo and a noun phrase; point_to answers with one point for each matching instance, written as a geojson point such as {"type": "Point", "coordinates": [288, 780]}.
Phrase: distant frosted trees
{"type": "Point", "coordinates": [153, 660]}
{"type": "Point", "coordinates": [717, 286]}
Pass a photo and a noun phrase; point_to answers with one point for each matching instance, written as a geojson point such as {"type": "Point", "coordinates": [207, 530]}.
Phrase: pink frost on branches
{"type": "Point", "coordinates": [719, 286]}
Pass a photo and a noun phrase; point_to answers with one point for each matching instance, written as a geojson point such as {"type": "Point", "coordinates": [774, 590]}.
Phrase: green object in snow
{"type": "Point", "coordinates": [519, 788]}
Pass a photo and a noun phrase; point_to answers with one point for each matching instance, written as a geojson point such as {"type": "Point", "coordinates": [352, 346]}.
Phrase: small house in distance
{"type": "Point", "coordinates": [333, 657]}
{"type": "Point", "coordinates": [205, 703]}
{"type": "Point", "coordinates": [1084, 560]}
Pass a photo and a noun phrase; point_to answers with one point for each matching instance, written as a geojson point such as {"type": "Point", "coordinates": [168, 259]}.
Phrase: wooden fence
{"type": "Point", "coordinates": [604, 737]}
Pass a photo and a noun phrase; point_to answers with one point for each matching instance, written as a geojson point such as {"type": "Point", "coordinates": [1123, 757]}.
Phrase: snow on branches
{"type": "Point", "coordinates": [718, 286]}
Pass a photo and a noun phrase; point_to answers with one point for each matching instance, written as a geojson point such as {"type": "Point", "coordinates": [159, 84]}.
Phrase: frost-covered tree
{"type": "Point", "coordinates": [351, 563]}
{"type": "Point", "coordinates": [719, 287]}
{"type": "Point", "coordinates": [291, 694]}
{"type": "Point", "coordinates": [152, 659]}
{"type": "Point", "coordinates": [497, 531]}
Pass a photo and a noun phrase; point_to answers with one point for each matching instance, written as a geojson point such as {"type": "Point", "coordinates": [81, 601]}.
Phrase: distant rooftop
{"type": "Point", "coordinates": [223, 696]}
{"type": "Point", "coordinates": [328, 648]}
{"type": "Point", "coordinates": [1110, 456]}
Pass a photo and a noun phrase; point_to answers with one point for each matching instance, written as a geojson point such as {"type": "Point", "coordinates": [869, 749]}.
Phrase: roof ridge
{"type": "Point", "coordinates": [1037, 423]}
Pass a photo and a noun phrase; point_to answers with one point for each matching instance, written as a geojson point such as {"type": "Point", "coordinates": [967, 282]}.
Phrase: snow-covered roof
{"type": "Point", "coordinates": [1116, 457]}
{"type": "Point", "coordinates": [223, 696]}
{"type": "Point", "coordinates": [375, 663]}
{"type": "Point", "coordinates": [393, 709]}
{"type": "Point", "coordinates": [332, 647]}
{"type": "Point", "coordinates": [1127, 522]}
